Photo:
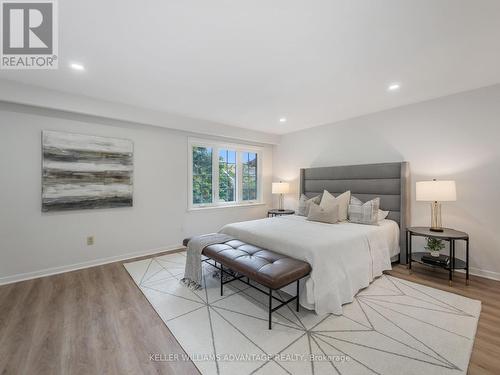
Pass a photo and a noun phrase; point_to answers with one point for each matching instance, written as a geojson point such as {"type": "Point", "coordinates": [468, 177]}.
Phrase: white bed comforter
{"type": "Point", "coordinates": [344, 257]}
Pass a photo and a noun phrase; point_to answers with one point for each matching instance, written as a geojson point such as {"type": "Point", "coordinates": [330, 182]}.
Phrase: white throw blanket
{"type": "Point", "coordinates": [193, 271]}
{"type": "Point", "coordinates": [344, 257]}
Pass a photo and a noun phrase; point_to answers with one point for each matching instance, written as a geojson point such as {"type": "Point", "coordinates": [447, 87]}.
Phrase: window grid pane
{"type": "Point", "coordinates": [227, 175]}
{"type": "Point", "coordinates": [202, 175]}
{"type": "Point", "coordinates": [249, 176]}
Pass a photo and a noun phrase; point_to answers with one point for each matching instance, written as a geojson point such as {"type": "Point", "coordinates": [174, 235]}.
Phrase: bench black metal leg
{"type": "Point", "coordinates": [270, 293]}
{"type": "Point", "coordinates": [298, 295]}
{"type": "Point", "coordinates": [270, 306]}
{"type": "Point", "coordinates": [221, 280]}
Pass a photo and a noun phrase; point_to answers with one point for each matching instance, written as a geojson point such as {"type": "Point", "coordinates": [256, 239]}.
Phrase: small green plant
{"type": "Point", "coordinates": [434, 245]}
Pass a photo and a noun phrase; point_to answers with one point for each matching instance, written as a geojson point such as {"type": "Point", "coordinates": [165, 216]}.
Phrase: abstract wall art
{"type": "Point", "coordinates": [86, 172]}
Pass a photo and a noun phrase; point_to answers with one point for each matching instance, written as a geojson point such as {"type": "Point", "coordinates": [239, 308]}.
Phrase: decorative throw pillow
{"type": "Point", "coordinates": [329, 215]}
{"type": "Point", "coordinates": [381, 213]}
{"type": "Point", "coordinates": [355, 200]}
{"type": "Point", "coordinates": [305, 202]}
{"type": "Point", "coordinates": [341, 200]}
{"type": "Point", "coordinates": [366, 213]}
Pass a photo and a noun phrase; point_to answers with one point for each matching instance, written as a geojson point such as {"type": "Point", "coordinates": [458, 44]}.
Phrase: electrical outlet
{"type": "Point", "coordinates": [90, 240]}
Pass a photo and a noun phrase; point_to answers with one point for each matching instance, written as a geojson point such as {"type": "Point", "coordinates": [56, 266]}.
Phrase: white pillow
{"type": "Point", "coordinates": [381, 213]}
{"type": "Point", "coordinates": [342, 200]}
{"type": "Point", "coordinates": [329, 215]}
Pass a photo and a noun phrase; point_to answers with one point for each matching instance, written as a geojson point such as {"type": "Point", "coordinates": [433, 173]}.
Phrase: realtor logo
{"type": "Point", "coordinates": [29, 34]}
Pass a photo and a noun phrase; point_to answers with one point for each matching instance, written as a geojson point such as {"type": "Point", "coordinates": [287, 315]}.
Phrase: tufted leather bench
{"type": "Point", "coordinates": [267, 268]}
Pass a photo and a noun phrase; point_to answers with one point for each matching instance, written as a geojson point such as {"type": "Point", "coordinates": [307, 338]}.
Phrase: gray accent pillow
{"type": "Point", "coordinates": [329, 215]}
{"type": "Point", "coordinates": [366, 213]}
{"type": "Point", "coordinates": [304, 204]}
{"type": "Point", "coordinates": [381, 213]}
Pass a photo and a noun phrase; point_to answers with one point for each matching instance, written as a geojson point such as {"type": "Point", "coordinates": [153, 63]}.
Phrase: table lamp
{"type": "Point", "coordinates": [436, 191]}
{"type": "Point", "coordinates": [280, 188]}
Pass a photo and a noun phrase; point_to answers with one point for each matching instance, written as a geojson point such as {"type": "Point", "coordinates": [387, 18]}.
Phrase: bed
{"type": "Point", "coordinates": [344, 257]}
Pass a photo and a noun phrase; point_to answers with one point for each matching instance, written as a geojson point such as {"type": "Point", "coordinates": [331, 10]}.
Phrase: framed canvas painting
{"type": "Point", "coordinates": [86, 172]}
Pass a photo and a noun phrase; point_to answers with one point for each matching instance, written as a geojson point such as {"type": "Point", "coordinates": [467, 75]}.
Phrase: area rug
{"type": "Point", "coordinates": [392, 327]}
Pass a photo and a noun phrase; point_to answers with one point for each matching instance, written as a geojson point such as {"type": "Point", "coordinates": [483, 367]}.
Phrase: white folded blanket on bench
{"type": "Point", "coordinates": [195, 246]}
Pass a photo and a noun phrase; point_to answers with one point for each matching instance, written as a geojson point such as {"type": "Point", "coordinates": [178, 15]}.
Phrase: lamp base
{"type": "Point", "coordinates": [436, 229]}
{"type": "Point", "coordinates": [436, 217]}
{"type": "Point", "coordinates": [280, 207]}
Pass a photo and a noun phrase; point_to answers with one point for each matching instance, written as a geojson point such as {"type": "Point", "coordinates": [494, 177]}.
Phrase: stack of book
{"type": "Point", "coordinates": [441, 260]}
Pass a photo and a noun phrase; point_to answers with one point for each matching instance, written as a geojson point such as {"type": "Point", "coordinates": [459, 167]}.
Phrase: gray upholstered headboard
{"type": "Point", "coordinates": [389, 181]}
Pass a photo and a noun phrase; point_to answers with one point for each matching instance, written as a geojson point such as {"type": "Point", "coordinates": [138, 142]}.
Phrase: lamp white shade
{"type": "Point", "coordinates": [436, 191]}
{"type": "Point", "coordinates": [280, 187]}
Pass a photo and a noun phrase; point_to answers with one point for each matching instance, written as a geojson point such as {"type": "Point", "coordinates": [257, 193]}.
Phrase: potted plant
{"type": "Point", "coordinates": [434, 245]}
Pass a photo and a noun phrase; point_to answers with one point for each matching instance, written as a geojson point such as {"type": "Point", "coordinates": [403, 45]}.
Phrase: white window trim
{"type": "Point", "coordinates": [216, 145]}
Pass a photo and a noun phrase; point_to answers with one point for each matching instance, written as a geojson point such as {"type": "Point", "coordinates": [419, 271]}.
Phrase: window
{"type": "Point", "coordinates": [249, 176]}
{"type": "Point", "coordinates": [202, 175]}
{"type": "Point", "coordinates": [227, 175]}
{"type": "Point", "coordinates": [223, 174]}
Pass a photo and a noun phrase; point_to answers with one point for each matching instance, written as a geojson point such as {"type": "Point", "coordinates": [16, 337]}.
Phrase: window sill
{"type": "Point", "coordinates": [226, 206]}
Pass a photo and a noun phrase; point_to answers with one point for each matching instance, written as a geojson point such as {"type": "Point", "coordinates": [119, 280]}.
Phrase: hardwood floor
{"type": "Point", "coordinates": [92, 321]}
{"type": "Point", "coordinates": [96, 321]}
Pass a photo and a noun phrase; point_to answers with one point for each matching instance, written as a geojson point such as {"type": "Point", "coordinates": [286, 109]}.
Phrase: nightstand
{"type": "Point", "coordinates": [448, 235]}
{"type": "Point", "coordinates": [275, 212]}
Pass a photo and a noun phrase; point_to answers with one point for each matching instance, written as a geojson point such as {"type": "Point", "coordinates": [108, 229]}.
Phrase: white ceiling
{"type": "Point", "coordinates": [248, 63]}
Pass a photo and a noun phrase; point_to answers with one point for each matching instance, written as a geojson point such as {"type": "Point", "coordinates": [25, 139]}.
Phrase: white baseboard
{"type": "Point", "coordinates": [78, 266]}
{"type": "Point", "coordinates": [484, 273]}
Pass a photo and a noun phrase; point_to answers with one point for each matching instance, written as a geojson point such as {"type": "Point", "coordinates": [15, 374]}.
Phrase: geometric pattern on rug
{"type": "Point", "coordinates": [392, 327]}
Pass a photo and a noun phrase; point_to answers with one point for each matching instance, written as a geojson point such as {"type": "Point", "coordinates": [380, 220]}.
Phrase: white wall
{"type": "Point", "coordinates": [20, 93]}
{"type": "Point", "coordinates": [33, 243]}
{"type": "Point", "coordinates": [456, 137]}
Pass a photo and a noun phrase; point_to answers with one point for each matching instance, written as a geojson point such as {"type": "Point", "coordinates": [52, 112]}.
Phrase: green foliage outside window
{"type": "Point", "coordinates": [202, 175]}
{"type": "Point", "coordinates": [249, 176]}
{"type": "Point", "coordinates": [227, 175]}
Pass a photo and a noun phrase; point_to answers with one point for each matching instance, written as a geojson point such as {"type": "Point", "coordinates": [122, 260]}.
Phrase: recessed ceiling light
{"type": "Point", "coordinates": [283, 119]}
{"type": "Point", "coordinates": [76, 66]}
{"type": "Point", "coordinates": [394, 87]}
